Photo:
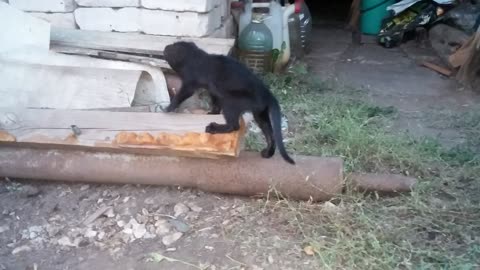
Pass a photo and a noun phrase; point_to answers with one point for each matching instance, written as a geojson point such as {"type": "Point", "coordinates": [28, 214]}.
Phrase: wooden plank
{"type": "Point", "coordinates": [133, 132]}
{"type": "Point", "coordinates": [458, 58]}
{"type": "Point", "coordinates": [437, 68]}
{"type": "Point", "coordinates": [155, 62]}
{"type": "Point", "coordinates": [132, 42]}
{"type": "Point", "coordinates": [20, 29]}
{"type": "Point", "coordinates": [470, 70]}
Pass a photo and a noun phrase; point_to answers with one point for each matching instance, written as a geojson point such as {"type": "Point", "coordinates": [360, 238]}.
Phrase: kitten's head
{"type": "Point", "coordinates": [178, 53]}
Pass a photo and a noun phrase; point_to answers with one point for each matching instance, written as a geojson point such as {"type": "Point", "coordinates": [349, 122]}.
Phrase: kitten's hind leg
{"type": "Point", "coordinates": [263, 121]}
{"type": "Point", "coordinates": [216, 108]}
{"type": "Point", "coordinates": [232, 117]}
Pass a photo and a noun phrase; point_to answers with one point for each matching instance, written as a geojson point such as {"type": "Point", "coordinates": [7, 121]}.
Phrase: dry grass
{"type": "Point", "coordinates": [435, 227]}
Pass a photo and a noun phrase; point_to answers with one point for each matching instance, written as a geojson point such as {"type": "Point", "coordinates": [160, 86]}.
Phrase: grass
{"type": "Point", "coordinates": [437, 226]}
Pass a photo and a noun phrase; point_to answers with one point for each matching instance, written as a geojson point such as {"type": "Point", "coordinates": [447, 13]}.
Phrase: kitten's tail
{"type": "Point", "coordinates": [276, 120]}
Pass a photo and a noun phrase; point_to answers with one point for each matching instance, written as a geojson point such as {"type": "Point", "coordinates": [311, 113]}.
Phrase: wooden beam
{"type": "Point", "coordinates": [132, 132]}
{"type": "Point", "coordinates": [437, 68]}
{"type": "Point", "coordinates": [132, 42]}
{"type": "Point", "coordinates": [155, 62]}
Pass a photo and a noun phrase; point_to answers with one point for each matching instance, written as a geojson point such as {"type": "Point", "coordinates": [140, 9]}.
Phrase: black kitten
{"type": "Point", "coordinates": [234, 90]}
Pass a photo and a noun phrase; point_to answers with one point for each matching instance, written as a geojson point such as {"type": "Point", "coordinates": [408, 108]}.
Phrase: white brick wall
{"type": "Point", "coordinates": [44, 5]}
{"type": "Point", "coordinates": [181, 5]}
{"type": "Point", "coordinates": [107, 19]}
{"type": "Point", "coordinates": [108, 3]}
{"type": "Point", "coordinates": [63, 20]}
{"type": "Point", "coordinates": [193, 18]}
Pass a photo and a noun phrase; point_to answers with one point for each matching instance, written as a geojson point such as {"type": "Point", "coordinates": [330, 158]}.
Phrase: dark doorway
{"type": "Point", "coordinates": [329, 11]}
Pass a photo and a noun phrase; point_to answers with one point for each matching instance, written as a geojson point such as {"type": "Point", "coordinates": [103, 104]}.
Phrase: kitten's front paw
{"type": "Point", "coordinates": [211, 128]}
{"type": "Point", "coordinates": [170, 108]}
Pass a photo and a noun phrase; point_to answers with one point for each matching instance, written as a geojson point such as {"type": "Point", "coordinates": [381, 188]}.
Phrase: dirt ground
{"type": "Point", "coordinates": [45, 225]}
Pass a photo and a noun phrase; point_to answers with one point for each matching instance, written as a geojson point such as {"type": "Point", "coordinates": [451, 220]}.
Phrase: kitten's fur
{"type": "Point", "coordinates": [234, 89]}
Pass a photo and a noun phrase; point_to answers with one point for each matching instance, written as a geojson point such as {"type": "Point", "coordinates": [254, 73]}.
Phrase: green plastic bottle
{"type": "Point", "coordinates": [255, 46]}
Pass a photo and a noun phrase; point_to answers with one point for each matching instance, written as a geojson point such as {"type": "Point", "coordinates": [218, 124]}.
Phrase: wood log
{"type": "Point", "coordinates": [313, 178]}
{"type": "Point", "coordinates": [133, 132]}
{"type": "Point", "coordinates": [131, 42]}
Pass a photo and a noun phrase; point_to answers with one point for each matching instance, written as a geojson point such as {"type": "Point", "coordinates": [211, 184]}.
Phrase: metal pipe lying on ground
{"type": "Point", "coordinates": [313, 178]}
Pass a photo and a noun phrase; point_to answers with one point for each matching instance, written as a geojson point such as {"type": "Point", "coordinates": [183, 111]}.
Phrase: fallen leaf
{"type": "Point", "coordinates": [309, 250]}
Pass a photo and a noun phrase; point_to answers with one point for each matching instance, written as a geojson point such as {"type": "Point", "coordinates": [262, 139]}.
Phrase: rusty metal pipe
{"type": "Point", "coordinates": [313, 178]}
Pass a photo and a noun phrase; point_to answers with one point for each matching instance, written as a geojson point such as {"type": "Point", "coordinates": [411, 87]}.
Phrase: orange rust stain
{"type": "Point", "coordinates": [71, 139]}
{"type": "Point", "coordinates": [7, 137]}
{"type": "Point", "coordinates": [190, 141]}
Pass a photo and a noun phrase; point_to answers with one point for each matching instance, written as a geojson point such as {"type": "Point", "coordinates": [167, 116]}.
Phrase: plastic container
{"type": "Point", "coordinates": [372, 14]}
{"type": "Point", "coordinates": [255, 46]}
{"type": "Point", "coordinates": [296, 49]}
{"type": "Point", "coordinates": [305, 24]}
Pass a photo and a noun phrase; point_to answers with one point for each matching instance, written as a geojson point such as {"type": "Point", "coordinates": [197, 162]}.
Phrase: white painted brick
{"type": "Point", "coordinates": [169, 23]}
{"type": "Point", "coordinates": [107, 19]}
{"type": "Point", "coordinates": [226, 30]}
{"type": "Point", "coordinates": [63, 20]}
{"type": "Point", "coordinates": [44, 5]}
{"type": "Point", "coordinates": [181, 5]}
{"type": "Point", "coordinates": [108, 3]}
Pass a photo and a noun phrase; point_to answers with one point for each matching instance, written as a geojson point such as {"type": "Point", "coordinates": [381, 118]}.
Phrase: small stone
{"type": "Point", "coordinates": [149, 235]}
{"type": "Point", "coordinates": [171, 249]}
{"type": "Point", "coordinates": [171, 238]}
{"type": "Point", "coordinates": [52, 230]}
{"type": "Point", "coordinates": [209, 248]}
{"type": "Point", "coordinates": [163, 227]}
{"type": "Point", "coordinates": [65, 241]}
{"type": "Point", "coordinates": [90, 233]}
{"type": "Point", "coordinates": [121, 223]}
{"type": "Point", "coordinates": [21, 249]}
{"type": "Point", "coordinates": [149, 201]}
{"type": "Point", "coordinates": [270, 259]}
{"type": "Point", "coordinates": [84, 187]}
{"type": "Point", "coordinates": [179, 225]}
{"type": "Point", "coordinates": [139, 231]}
{"type": "Point", "coordinates": [4, 228]}
{"type": "Point", "coordinates": [195, 208]}
{"type": "Point", "coordinates": [128, 231]}
{"type": "Point", "coordinates": [100, 235]}
{"type": "Point", "coordinates": [109, 213]}
{"type": "Point", "coordinates": [309, 250]}
{"type": "Point", "coordinates": [180, 209]}
{"type": "Point", "coordinates": [142, 219]}
{"type": "Point", "coordinates": [30, 191]}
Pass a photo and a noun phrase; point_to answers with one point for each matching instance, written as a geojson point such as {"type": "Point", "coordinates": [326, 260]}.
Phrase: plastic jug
{"type": "Point", "coordinates": [305, 24]}
{"type": "Point", "coordinates": [255, 46]}
{"type": "Point", "coordinates": [296, 48]}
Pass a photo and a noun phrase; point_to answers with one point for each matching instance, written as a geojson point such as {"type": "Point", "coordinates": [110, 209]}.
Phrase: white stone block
{"type": "Point", "coordinates": [108, 3]}
{"type": "Point", "coordinates": [62, 20]}
{"type": "Point", "coordinates": [20, 30]}
{"type": "Point", "coordinates": [226, 30]}
{"type": "Point", "coordinates": [169, 23]}
{"type": "Point", "coordinates": [181, 5]}
{"type": "Point", "coordinates": [107, 19]}
{"type": "Point", "coordinates": [44, 5]}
